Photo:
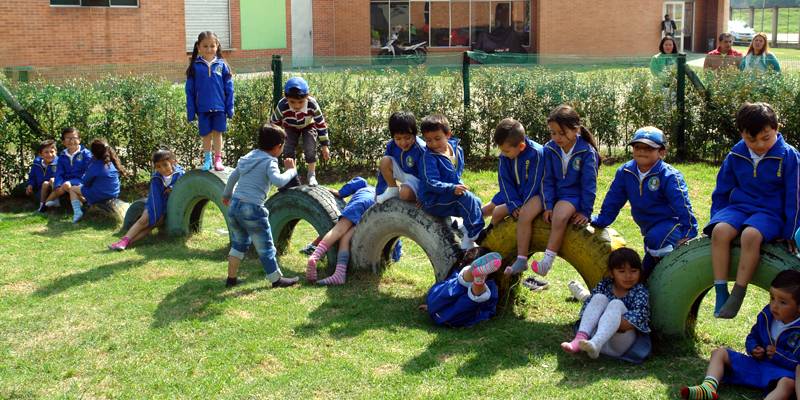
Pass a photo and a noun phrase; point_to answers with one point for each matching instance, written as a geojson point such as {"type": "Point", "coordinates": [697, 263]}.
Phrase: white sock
{"type": "Point", "coordinates": [468, 242]}
{"type": "Point", "coordinates": [388, 194]}
{"type": "Point", "coordinates": [53, 203]}
{"type": "Point", "coordinates": [40, 206]}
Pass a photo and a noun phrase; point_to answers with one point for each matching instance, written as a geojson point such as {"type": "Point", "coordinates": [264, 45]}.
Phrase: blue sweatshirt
{"type": "Point", "coordinates": [578, 180]}
{"type": "Point", "coordinates": [40, 172]}
{"type": "Point", "coordinates": [786, 344]}
{"type": "Point", "coordinates": [662, 196]}
{"type": "Point", "coordinates": [408, 160]}
{"type": "Point", "coordinates": [157, 198]}
{"type": "Point", "coordinates": [210, 89]}
{"type": "Point", "coordinates": [520, 179]}
{"type": "Point", "coordinates": [771, 186]}
{"type": "Point", "coordinates": [72, 168]}
{"type": "Point", "coordinates": [101, 180]}
{"type": "Point", "coordinates": [438, 175]}
{"type": "Point", "coordinates": [256, 173]}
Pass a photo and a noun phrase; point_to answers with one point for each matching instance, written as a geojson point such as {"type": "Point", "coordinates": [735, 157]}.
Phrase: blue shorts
{"type": "Point", "coordinates": [211, 121]}
{"type": "Point", "coordinates": [358, 205]}
{"type": "Point", "coordinates": [748, 371]}
{"type": "Point", "coordinates": [92, 197]}
{"type": "Point", "coordinates": [498, 200]}
{"type": "Point", "coordinates": [574, 200]}
{"type": "Point", "coordinates": [74, 181]}
{"type": "Point", "coordinates": [741, 215]}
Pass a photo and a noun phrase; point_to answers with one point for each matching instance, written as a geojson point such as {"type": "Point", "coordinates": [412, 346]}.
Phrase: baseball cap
{"type": "Point", "coordinates": [296, 83]}
{"type": "Point", "coordinates": [649, 135]}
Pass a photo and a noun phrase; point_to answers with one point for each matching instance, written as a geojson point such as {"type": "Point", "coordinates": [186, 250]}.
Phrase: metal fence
{"type": "Point", "coordinates": [781, 24]}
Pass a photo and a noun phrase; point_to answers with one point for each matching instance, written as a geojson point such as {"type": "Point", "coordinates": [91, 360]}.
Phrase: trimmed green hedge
{"type": "Point", "coordinates": [138, 113]}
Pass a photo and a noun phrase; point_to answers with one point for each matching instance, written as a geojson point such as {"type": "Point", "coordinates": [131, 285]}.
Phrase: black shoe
{"type": "Point", "coordinates": [231, 282]}
{"type": "Point", "coordinates": [482, 235]}
{"type": "Point", "coordinates": [43, 209]}
{"type": "Point", "coordinates": [535, 285]}
{"type": "Point", "coordinates": [285, 282]}
{"type": "Point", "coordinates": [292, 183]}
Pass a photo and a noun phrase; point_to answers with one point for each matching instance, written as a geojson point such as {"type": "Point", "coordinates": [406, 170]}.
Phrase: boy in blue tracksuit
{"type": "Point", "coordinates": [72, 164]}
{"type": "Point", "coordinates": [658, 196]}
{"type": "Point", "coordinates": [401, 161]}
{"type": "Point", "coordinates": [772, 348]}
{"type": "Point", "coordinates": [43, 172]}
{"type": "Point", "coordinates": [442, 192]}
{"type": "Point", "coordinates": [756, 195]}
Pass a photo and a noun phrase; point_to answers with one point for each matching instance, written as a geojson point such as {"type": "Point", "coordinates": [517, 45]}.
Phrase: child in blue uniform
{"type": "Point", "coordinates": [363, 198]}
{"type": "Point", "coordinates": [72, 164]}
{"type": "Point", "coordinates": [154, 214]}
{"type": "Point", "coordinates": [101, 180]}
{"type": "Point", "coordinates": [442, 192]}
{"type": "Point", "coordinates": [658, 196]}
{"type": "Point", "coordinates": [400, 162]}
{"type": "Point", "coordinates": [772, 348]}
{"type": "Point", "coordinates": [615, 319]}
{"type": "Point", "coordinates": [249, 219]}
{"type": "Point", "coordinates": [570, 179]}
{"type": "Point", "coordinates": [469, 296]}
{"type": "Point", "coordinates": [43, 172]}
{"type": "Point", "coordinates": [755, 196]}
{"type": "Point", "coordinates": [209, 95]}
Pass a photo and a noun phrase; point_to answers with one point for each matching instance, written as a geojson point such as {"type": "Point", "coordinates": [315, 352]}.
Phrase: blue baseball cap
{"type": "Point", "coordinates": [296, 83]}
{"type": "Point", "coordinates": [649, 135]}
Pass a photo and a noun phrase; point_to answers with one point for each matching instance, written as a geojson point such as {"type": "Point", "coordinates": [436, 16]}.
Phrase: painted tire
{"type": "Point", "coordinates": [189, 197]}
{"type": "Point", "coordinates": [381, 226]}
{"type": "Point", "coordinates": [113, 209]}
{"type": "Point", "coordinates": [679, 282]}
{"type": "Point", "coordinates": [315, 205]}
{"type": "Point", "coordinates": [135, 210]}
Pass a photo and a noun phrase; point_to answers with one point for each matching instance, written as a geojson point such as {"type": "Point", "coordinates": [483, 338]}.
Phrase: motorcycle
{"type": "Point", "coordinates": [418, 50]}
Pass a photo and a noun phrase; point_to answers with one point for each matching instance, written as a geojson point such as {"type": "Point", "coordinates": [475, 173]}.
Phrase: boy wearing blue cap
{"type": "Point", "coordinates": [300, 116]}
{"type": "Point", "coordinates": [658, 195]}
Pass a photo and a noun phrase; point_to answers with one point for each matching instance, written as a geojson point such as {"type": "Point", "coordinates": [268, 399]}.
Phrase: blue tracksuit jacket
{"type": "Point", "coordinates": [72, 168]}
{"type": "Point", "coordinates": [157, 199]}
{"type": "Point", "coordinates": [408, 160]}
{"type": "Point", "coordinates": [438, 180]}
{"type": "Point", "coordinates": [787, 344]}
{"type": "Point", "coordinates": [449, 304]}
{"type": "Point", "coordinates": [40, 172]}
{"type": "Point", "coordinates": [520, 179]}
{"type": "Point", "coordinates": [771, 186]}
{"type": "Point", "coordinates": [210, 89]}
{"type": "Point", "coordinates": [100, 182]}
{"type": "Point", "coordinates": [363, 198]}
{"type": "Point", "coordinates": [659, 203]}
{"type": "Point", "coordinates": [579, 180]}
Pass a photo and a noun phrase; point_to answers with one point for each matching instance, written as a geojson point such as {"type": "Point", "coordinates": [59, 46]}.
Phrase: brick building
{"type": "Point", "coordinates": [45, 33]}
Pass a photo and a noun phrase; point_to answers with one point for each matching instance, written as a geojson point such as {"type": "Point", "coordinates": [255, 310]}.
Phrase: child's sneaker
{"type": "Point", "coordinates": [312, 180]}
{"type": "Point", "coordinates": [535, 285]}
{"type": "Point", "coordinates": [121, 245]}
{"type": "Point", "coordinates": [579, 292]}
{"type": "Point", "coordinates": [218, 163]}
{"type": "Point", "coordinates": [308, 250]}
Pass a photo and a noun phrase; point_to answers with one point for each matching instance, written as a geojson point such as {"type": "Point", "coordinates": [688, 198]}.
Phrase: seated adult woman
{"type": "Point", "coordinates": [758, 56]}
{"type": "Point", "coordinates": [666, 57]}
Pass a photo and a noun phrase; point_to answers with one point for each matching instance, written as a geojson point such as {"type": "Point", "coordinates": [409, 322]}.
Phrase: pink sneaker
{"type": "Point", "coordinates": [218, 163]}
{"type": "Point", "coordinates": [121, 245]}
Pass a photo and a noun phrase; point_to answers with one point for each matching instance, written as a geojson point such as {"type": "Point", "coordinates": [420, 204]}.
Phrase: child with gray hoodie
{"type": "Point", "coordinates": [249, 219]}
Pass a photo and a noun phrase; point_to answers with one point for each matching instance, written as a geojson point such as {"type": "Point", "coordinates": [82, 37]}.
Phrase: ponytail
{"type": "Point", "coordinates": [589, 138]}
{"type": "Point", "coordinates": [190, 70]}
{"type": "Point", "coordinates": [102, 151]}
{"type": "Point", "coordinates": [566, 116]}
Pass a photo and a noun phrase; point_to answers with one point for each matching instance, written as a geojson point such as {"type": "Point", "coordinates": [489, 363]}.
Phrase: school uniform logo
{"type": "Point", "coordinates": [410, 161]}
{"type": "Point", "coordinates": [79, 157]}
{"type": "Point", "coordinates": [794, 339]}
{"type": "Point", "coordinates": [218, 69]}
{"type": "Point", "coordinates": [576, 164]}
{"type": "Point", "coordinates": [53, 169]}
{"type": "Point", "coordinates": [653, 183]}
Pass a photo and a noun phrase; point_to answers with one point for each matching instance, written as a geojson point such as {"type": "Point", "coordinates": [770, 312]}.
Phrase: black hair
{"type": "Point", "coordinates": [433, 123]}
{"type": "Point", "coordinates": [509, 131]}
{"type": "Point", "coordinates": [788, 281]}
{"type": "Point", "coordinates": [202, 36]}
{"type": "Point", "coordinates": [725, 35]}
{"type": "Point", "coordinates": [402, 122]}
{"type": "Point", "coordinates": [164, 153]}
{"type": "Point", "coordinates": [294, 93]}
{"type": "Point", "coordinates": [566, 116]}
{"type": "Point", "coordinates": [102, 151]}
{"type": "Point", "coordinates": [674, 47]}
{"type": "Point", "coordinates": [270, 136]}
{"type": "Point", "coordinates": [623, 255]}
{"type": "Point", "coordinates": [466, 257]}
{"type": "Point", "coordinates": [70, 130]}
{"type": "Point", "coordinates": [45, 144]}
{"type": "Point", "coordinates": [752, 118]}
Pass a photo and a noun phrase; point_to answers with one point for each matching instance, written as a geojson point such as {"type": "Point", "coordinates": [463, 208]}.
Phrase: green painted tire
{"type": "Point", "coordinates": [189, 197]}
{"type": "Point", "coordinates": [135, 210]}
{"type": "Point", "coordinates": [679, 282]}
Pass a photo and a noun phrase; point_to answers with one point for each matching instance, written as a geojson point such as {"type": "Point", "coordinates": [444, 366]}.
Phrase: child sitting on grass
{"type": "Point", "coordinates": [772, 348]}
{"type": "Point", "coordinates": [101, 180]}
{"type": "Point", "coordinates": [161, 183]}
{"type": "Point", "coordinates": [43, 172]}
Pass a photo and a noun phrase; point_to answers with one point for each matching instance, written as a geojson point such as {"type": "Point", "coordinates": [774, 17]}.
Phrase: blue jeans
{"type": "Point", "coordinates": [249, 223]}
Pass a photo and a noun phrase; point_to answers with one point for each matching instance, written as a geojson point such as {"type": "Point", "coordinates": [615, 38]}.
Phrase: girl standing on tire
{"type": "Point", "coordinates": [161, 183]}
{"type": "Point", "coordinates": [570, 179]}
{"type": "Point", "coordinates": [209, 95]}
{"type": "Point", "coordinates": [101, 180]}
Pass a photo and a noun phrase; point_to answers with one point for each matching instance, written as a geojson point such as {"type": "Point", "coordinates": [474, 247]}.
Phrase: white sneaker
{"type": "Point", "coordinates": [388, 194]}
{"type": "Point", "coordinates": [53, 203]}
{"type": "Point", "coordinates": [312, 180]}
{"type": "Point", "coordinates": [468, 242]}
{"type": "Point", "coordinates": [579, 292]}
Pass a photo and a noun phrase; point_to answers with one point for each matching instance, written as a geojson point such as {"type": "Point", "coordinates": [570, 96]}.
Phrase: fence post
{"type": "Point", "coordinates": [277, 80]}
{"type": "Point", "coordinates": [752, 18]}
{"type": "Point", "coordinates": [681, 100]}
{"type": "Point", "coordinates": [465, 78]}
{"type": "Point", "coordinates": [775, 25]}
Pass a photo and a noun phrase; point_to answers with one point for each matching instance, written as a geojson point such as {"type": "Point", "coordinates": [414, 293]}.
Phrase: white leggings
{"type": "Point", "coordinates": [601, 320]}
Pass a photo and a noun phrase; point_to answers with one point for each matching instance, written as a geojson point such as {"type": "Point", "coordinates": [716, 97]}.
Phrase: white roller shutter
{"type": "Point", "coordinates": [208, 15]}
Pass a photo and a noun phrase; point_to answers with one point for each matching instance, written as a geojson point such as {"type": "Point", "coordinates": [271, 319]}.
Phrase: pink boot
{"type": "Point", "coordinates": [218, 162]}
{"type": "Point", "coordinates": [121, 245]}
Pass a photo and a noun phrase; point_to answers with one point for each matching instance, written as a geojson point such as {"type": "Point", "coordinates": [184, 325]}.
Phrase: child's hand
{"type": "Point", "coordinates": [28, 190]}
{"type": "Point", "coordinates": [326, 154]}
{"type": "Point", "coordinates": [682, 241]}
{"type": "Point", "coordinates": [770, 351]}
{"type": "Point", "coordinates": [226, 202]}
{"type": "Point", "coordinates": [791, 243]}
{"type": "Point", "coordinates": [418, 205]}
{"type": "Point", "coordinates": [547, 216]}
{"type": "Point", "coordinates": [168, 191]}
{"type": "Point", "coordinates": [423, 307]}
{"type": "Point", "coordinates": [515, 213]}
{"type": "Point", "coordinates": [579, 219]}
{"type": "Point", "coordinates": [336, 193]}
{"type": "Point", "coordinates": [758, 353]}
{"type": "Point", "coordinates": [460, 189]}
{"type": "Point", "coordinates": [288, 163]}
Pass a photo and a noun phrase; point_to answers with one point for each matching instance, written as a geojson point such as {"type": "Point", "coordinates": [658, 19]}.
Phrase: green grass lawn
{"type": "Point", "coordinates": [155, 321]}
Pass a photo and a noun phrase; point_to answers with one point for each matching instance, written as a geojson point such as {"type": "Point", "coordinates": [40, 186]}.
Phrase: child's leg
{"type": "Point", "coordinates": [748, 261]}
{"type": "Point", "coordinates": [386, 166]}
{"type": "Point", "coordinates": [338, 231]}
{"type": "Point", "coordinates": [716, 369]}
{"type": "Point", "coordinates": [218, 154]}
{"type": "Point", "coordinates": [207, 151]}
{"type": "Point", "coordinates": [607, 326]}
{"type": "Point", "coordinates": [480, 269]}
{"type": "Point", "coordinates": [562, 212]}
{"type": "Point", "coordinates": [589, 320]}
{"type": "Point", "coordinates": [134, 234]}
{"type": "Point", "coordinates": [74, 198]}
{"type": "Point", "coordinates": [783, 390]}
{"type": "Point", "coordinates": [488, 209]}
{"type": "Point", "coordinates": [498, 214]}
{"type": "Point", "coordinates": [721, 237]}
{"type": "Point", "coordinates": [407, 193]}
{"type": "Point", "coordinates": [530, 210]}
{"type": "Point", "coordinates": [44, 192]}
{"type": "Point", "coordinates": [261, 234]}
{"type": "Point", "coordinates": [468, 207]}
{"type": "Point", "coordinates": [339, 276]}
{"type": "Point", "coordinates": [147, 229]}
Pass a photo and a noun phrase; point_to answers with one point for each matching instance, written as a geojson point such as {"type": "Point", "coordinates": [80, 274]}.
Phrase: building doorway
{"type": "Point", "coordinates": [683, 14]}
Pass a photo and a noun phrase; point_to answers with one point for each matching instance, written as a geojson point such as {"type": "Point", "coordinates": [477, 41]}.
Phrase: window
{"type": "Point", "coordinates": [95, 3]}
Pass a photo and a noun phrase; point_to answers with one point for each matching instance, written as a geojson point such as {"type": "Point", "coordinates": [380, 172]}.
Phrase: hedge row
{"type": "Point", "coordinates": [137, 113]}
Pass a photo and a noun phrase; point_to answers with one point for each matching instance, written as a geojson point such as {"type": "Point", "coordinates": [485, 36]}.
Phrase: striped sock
{"type": "Point", "coordinates": [76, 208]}
{"type": "Point", "coordinates": [543, 267]}
{"type": "Point", "coordinates": [338, 277]}
{"type": "Point", "coordinates": [485, 265]}
{"type": "Point", "coordinates": [311, 267]}
{"type": "Point", "coordinates": [705, 391]}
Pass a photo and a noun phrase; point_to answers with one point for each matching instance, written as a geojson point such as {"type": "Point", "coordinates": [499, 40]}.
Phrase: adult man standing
{"type": "Point", "coordinates": [723, 55]}
{"type": "Point", "coordinates": [668, 26]}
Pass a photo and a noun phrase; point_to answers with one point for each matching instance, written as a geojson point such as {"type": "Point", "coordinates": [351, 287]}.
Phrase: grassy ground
{"type": "Point", "coordinates": [80, 321]}
{"type": "Point", "coordinates": [788, 19]}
